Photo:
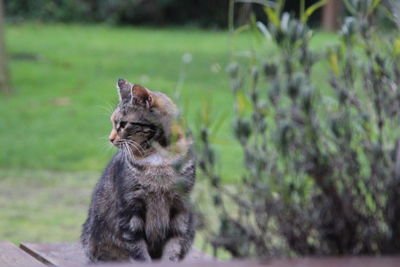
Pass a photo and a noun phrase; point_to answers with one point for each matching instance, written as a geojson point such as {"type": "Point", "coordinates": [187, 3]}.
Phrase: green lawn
{"type": "Point", "coordinates": [65, 79]}
{"type": "Point", "coordinates": [48, 206]}
{"type": "Point", "coordinates": [59, 117]}
{"type": "Point", "coordinates": [43, 206]}
{"type": "Point", "coordinates": [53, 129]}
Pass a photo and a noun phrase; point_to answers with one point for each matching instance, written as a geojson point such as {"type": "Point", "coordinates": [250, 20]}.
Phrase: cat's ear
{"type": "Point", "coordinates": [124, 89]}
{"type": "Point", "coordinates": [141, 96]}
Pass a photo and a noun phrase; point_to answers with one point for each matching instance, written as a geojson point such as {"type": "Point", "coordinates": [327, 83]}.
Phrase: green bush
{"type": "Point", "coordinates": [321, 170]}
{"type": "Point", "coordinates": [207, 13]}
{"type": "Point", "coordinates": [204, 13]}
{"type": "Point", "coordinates": [45, 10]}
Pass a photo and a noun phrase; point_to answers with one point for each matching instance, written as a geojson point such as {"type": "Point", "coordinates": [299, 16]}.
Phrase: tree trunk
{"type": "Point", "coordinates": [331, 15]}
{"type": "Point", "coordinates": [4, 83]}
{"type": "Point", "coordinates": [244, 14]}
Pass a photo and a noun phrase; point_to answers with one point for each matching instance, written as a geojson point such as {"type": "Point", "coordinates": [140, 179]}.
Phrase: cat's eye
{"type": "Point", "coordinates": [147, 129]}
{"type": "Point", "coordinates": [122, 124]}
{"type": "Point", "coordinates": [141, 124]}
{"type": "Point", "coordinates": [144, 127]}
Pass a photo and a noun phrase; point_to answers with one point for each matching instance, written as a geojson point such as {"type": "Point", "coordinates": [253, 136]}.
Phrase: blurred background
{"type": "Point", "coordinates": [60, 60]}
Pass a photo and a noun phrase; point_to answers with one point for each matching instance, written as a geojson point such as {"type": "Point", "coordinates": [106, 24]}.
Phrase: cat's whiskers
{"type": "Point", "coordinates": [130, 151]}
{"type": "Point", "coordinates": [103, 137]}
{"type": "Point", "coordinates": [125, 151]}
{"type": "Point", "coordinates": [106, 109]}
{"type": "Point", "coordinates": [107, 147]}
{"type": "Point", "coordinates": [136, 146]}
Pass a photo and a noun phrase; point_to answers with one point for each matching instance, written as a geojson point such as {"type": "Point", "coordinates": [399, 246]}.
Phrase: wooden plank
{"type": "Point", "coordinates": [301, 262]}
{"type": "Point", "coordinates": [11, 255]}
{"type": "Point", "coordinates": [353, 261]}
{"type": "Point", "coordinates": [65, 253]}
{"type": "Point", "coordinates": [245, 263]}
{"type": "Point", "coordinates": [70, 253]}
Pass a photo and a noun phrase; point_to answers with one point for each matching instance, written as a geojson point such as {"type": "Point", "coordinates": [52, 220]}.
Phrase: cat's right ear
{"type": "Point", "coordinates": [124, 89]}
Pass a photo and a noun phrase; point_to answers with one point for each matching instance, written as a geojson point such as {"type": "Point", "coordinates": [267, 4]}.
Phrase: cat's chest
{"type": "Point", "coordinates": [156, 187]}
{"type": "Point", "coordinates": [157, 215]}
{"type": "Point", "coordinates": [156, 178]}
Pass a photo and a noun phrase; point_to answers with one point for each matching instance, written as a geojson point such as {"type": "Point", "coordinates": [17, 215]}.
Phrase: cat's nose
{"type": "Point", "coordinates": [113, 136]}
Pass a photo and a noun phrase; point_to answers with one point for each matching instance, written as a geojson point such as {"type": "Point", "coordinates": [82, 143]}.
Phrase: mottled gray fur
{"type": "Point", "coordinates": [140, 208]}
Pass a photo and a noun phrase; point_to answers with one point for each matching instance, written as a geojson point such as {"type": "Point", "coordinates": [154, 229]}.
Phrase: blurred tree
{"type": "Point", "coordinates": [244, 13]}
{"type": "Point", "coordinates": [331, 14]}
{"type": "Point", "coordinates": [4, 84]}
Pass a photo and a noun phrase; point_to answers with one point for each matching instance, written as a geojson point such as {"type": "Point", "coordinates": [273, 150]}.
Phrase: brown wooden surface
{"type": "Point", "coordinates": [11, 255]}
{"type": "Point", "coordinates": [337, 262]}
{"type": "Point", "coordinates": [246, 263]}
{"type": "Point", "coordinates": [306, 262]}
{"type": "Point", "coordinates": [69, 253]}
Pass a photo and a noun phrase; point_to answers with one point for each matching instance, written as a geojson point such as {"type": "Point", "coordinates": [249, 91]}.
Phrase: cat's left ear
{"type": "Point", "coordinates": [141, 96]}
{"type": "Point", "coordinates": [124, 90]}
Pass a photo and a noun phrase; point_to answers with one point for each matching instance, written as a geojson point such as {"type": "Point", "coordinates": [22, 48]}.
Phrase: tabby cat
{"type": "Point", "coordinates": [140, 208]}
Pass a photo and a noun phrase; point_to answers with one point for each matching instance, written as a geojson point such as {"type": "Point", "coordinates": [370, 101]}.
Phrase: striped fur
{"type": "Point", "coordinates": [140, 209]}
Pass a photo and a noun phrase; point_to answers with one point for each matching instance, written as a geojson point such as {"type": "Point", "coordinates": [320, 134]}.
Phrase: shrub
{"type": "Point", "coordinates": [321, 155]}
{"type": "Point", "coordinates": [156, 12]}
{"type": "Point", "coordinates": [44, 10]}
{"type": "Point", "coordinates": [203, 13]}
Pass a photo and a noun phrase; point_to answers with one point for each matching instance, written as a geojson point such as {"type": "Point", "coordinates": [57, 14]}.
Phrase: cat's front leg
{"type": "Point", "coordinates": [132, 233]}
{"type": "Point", "coordinates": [182, 230]}
{"type": "Point", "coordinates": [139, 252]}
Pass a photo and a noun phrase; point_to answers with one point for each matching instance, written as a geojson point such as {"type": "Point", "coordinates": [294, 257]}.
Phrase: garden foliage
{"type": "Point", "coordinates": [155, 12]}
{"type": "Point", "coordinates": [203, 13]}
{"type": "Point", "coordinates": [321, 168]}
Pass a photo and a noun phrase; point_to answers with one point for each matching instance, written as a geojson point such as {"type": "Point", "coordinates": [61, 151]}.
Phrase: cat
{"type": "Point", "coordinates": [140, 209]}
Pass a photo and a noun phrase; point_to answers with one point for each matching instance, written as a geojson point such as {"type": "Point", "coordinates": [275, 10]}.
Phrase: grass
{"type": "Point", "coordinates": [48, 206]}
{"type": "Point", "coordinates": [53, 129]}
{"type": "Point", "coordinates": [59, 117]}
{"type": "Point", "coordinates": [43, 206]}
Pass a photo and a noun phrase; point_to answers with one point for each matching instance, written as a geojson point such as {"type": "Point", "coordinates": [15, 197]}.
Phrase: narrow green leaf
{"type": "Point", "coordinates": [219, 122]}
{"type": "Point", "coordinates": [389, 14]}
{"type": "Point", "coordinates": [310, 10]}
{"type": "Point", "coordinates": [350, 7]}
{"type": "Point", "coordinates": [396, 47]}
{"type": "Point", "coordinates": [254, 29]}
{"type": "Point", "coordinates": [205, 113]}
{"type": "Point", "coordinates": [373, 6]}
{"type": "Point", "coordinates": [279, 7]}
{"type": "Point", "coordinates": [302, 8]}
{"type": "Point", "coordinates": [333, 62]}
{"type": "Point", "coordinates": [242, 28]}
{"type": "Point", "coordinates": [243, 104]}
{"type": "Point", "coordinates": [272, 15]}
{"type": "Point", "coordinates": [260, 2]}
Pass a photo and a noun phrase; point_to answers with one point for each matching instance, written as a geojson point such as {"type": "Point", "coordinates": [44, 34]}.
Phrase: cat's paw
{"type": "Point", "coordinates": [141, 258]}
{"type": "Point", "coordinates": [174, 258]}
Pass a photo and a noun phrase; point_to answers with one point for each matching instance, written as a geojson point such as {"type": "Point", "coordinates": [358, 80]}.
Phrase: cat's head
{"type": "Point", "coordinates": [143, 120]}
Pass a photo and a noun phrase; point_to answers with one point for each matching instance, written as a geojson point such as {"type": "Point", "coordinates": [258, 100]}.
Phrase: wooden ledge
{"type": "Point", "coordinates": [71, 253]}
{"type": "Point", "coordinates": [11, 255]}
